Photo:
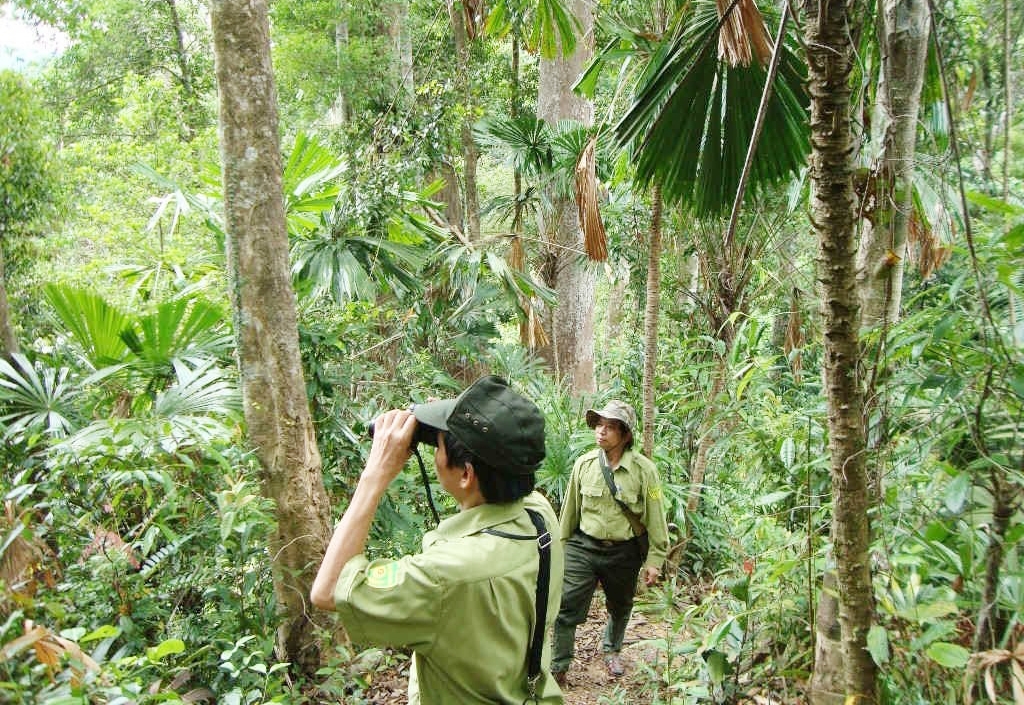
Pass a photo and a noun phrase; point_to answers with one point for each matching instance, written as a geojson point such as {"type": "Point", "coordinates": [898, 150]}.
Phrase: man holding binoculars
{"type": "Point", "coordinates": [475, 605]}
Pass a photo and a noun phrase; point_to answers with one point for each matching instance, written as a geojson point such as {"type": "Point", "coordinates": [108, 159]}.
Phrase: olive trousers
{"type": "Point", "coordinates": [589, 562]}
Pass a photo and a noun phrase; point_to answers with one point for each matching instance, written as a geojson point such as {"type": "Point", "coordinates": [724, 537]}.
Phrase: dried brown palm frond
{"type": "Point", "coordinates": [794, 341]}
{"type": "Point", "coordinates": [50, 650]}
{"type": "Point", "coordinates": [989, 663]}
{"type": "Point", "coordinates": [743, 34]}
{"type": "Point", "coordinates": [924, 249]}
{"type": "Point", "coordinates": [595, 241]}
{"type": "Point", "coordinates": [516, 256]}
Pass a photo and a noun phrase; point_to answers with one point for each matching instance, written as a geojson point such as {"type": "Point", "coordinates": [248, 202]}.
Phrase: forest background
{"type": "Point", "coordinates": [232, 233]}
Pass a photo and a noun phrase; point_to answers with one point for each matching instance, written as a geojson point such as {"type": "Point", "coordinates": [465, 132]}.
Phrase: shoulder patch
{"type": "Point", "coordinates": [384, 574]}
{"type": "Point", "coordinates": [654, 493]}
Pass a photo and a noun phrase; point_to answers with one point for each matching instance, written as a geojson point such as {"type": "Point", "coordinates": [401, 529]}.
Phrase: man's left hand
{"type": "Point", "coordinates": [651, 575]}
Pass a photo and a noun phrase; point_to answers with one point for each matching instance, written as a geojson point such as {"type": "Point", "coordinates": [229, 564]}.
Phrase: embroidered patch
{"type": "Point", "coordinates": [383, 574]}
{"type": "Point", "coordinates": [654, 493]}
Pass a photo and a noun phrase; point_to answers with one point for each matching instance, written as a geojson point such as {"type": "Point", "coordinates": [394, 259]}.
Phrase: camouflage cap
{"type": "Point", "coordinates": [615, 409]}
{"type": "Point", "coordinates": [497, 424]}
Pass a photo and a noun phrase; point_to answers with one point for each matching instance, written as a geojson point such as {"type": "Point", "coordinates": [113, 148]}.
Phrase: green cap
{"type": "Point", "coordinates": [615, 409]}
{"type": "Point", "coordinates": [497, 424]}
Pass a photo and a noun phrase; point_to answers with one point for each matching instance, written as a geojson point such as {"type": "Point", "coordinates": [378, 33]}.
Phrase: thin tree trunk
{"type": "Point", "coordinates": [571, 349]}
{"type": "Point", "coordinates": [8, 340]}
{"type": "Point", "coordinates": [651, 320]}
{"type": "Point", "coordinates": [191, 99]}
{"type": "Point", "coordinates": [470, 153]}
{"type": "Point", "coordinates": [831, 30]}
{"type": "Point", "coordinates": [903, 35]}
{"type": "Point", "coordinates": [401, 44]}
{"type": "Point", "coordinates": [275, 404]}
{"type": "Point", "coordinates": [706, 438]}
{"type": "Point", "coordinates": [337, 114]}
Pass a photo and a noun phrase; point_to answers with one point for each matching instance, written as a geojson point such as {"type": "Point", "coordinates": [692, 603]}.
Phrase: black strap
{"type": "Point", "coordinates": [543, 582]}
{"type": "Point", "coordinates": [606, 470]}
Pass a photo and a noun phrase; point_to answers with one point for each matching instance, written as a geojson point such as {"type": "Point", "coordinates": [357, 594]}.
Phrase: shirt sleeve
{"type": "Point", "coordinates": [569, 520]}
{"type": "Point", "coordinates": [390, 602]}
{"type": "Point", "coordinates": [653, 516]}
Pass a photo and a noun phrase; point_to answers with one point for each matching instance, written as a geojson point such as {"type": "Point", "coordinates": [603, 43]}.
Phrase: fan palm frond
{"type": "Point", "coordinates": [693, 118]}
{"type": "Point", "coordinates": [95, 325]}
{"type": "Point", "coordinates": [35, 398]}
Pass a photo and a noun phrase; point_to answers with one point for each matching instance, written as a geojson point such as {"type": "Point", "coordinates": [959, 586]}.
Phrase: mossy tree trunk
{"type": "Point", "coordinates": [276, 408]}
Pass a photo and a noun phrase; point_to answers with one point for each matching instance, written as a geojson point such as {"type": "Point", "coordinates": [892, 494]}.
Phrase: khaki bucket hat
{"type": "Point", "coordinates": [615, 409]}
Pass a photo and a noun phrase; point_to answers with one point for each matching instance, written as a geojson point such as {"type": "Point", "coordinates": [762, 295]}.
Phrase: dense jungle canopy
{"type": "Point", "coordinates": [791, 235]}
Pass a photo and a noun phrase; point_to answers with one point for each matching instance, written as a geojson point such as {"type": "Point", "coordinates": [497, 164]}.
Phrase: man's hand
{"type": "Point", "coordinates": [391, 448]}
{"type": "Point", "coordinates": [651, 575]}
{"type": "Point", "coordinates": [391, 438]}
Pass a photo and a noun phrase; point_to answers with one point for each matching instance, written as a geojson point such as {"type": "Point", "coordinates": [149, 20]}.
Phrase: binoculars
{"type": "Point", "coordinates": [421, 434]}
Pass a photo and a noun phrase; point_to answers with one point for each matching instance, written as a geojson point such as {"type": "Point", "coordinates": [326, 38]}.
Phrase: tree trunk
{"type": "Point", "coordinates": [651, 321]}
{"type": "Point", "coordinates": [571, 349]}
{"type": "Point", "coordinates": [337, 114]}
{"type": "Point", "coordinates": [831, 30]}
{"type": "Point", "coordinates": [903, 35]}
{"type": "Point", "coordinates": [263, 301]}
{"type": "Point", "coordinates": [470, 153]}
{"type": "Point", "coordinates": [8, 340]}
{"type": "Point", "coordinates": [192, 107]}
{"type": "Point", "coordinates": [401, 44]}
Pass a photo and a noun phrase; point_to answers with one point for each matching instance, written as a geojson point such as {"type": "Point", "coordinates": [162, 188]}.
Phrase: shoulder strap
{"type": "Point", "coordinates": [634, 520]}
{"type": "Point", "coordinates": [541, 602]}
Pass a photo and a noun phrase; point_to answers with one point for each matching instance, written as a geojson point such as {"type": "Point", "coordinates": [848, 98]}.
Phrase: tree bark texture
{"type": "Point", "coordinates": [886, 202]}
{"type": "Point", "coordinates": [276, 408]}
{"type": "Point", "coordinates": [565, 269]}
{"type": "Point", "coordinates": [470, 153]}
{"type": "Point", "coordinates": [8, 340]}
{"type": "Point", "coordinates": [651, 321]}
{"type": "Point", "coordinates": [831, 28]}
{"type": "Point", "coordinates": [401, 44]}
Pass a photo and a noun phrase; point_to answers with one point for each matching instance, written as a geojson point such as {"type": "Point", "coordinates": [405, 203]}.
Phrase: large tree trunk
{"type": "Point", "coordinates": [275, 404]}
{"type": "Point", "coordinates": [571, 348]}
{"type": "Point", "coordinates": [831, 30]}
{"type": "Point", "coordinates": [470, 153]}
{"type": "Point", "coordinates": [903, 35]}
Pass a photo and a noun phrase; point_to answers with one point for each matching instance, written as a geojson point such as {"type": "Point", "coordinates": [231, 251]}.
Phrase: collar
{"type": "Point", "coordinates": [474, 520]}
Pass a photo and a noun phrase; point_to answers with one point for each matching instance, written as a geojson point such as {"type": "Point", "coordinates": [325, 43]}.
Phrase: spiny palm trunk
{"type": "Point", "coordinates": [273, 392]}
{"type": "Point", "coordinates": [831, 28]}
{"type": "Point", "coordinates": [651, 320]}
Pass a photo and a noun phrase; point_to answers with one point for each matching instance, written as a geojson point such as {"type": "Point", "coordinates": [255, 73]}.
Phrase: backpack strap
{"type": "Point", "coordinates": [543, 539]}
{"type": "Point", "coordinates": [634, 520]}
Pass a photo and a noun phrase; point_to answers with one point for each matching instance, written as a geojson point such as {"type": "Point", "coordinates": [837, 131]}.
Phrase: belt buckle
{"type": "Point", "coordinates": [607, 543]}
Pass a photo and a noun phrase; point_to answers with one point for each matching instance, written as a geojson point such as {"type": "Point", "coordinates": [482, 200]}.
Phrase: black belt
{"type": "Point", "coordinates": [605, 543]}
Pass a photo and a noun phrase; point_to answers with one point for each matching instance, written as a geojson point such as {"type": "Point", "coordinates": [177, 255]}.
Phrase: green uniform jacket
{"type": "Point", "coordinates": [589, 505]}
{"type": "Point", "coordinates": [465, 606]}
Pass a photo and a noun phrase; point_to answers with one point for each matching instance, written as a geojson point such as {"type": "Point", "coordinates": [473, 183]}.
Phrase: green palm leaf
{"type": "Point", "coordinates": [95, 325]}
{"type": "Point", "coordinates": [545, 25]}
{"type": "Point", "coordinates": [181, 328]}
{"type": "Point", "coordinates": [693, 117]}
{"type": "Point", "coordinates": [35, 398]}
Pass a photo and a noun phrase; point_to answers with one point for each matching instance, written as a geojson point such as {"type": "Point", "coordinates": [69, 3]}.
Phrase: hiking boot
{"type": "Point", "coordinates": [562, 678]}
{"type": "Point", "coordinates": [614, 664]}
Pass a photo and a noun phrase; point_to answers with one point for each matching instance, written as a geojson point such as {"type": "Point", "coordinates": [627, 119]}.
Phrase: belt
{"type": "Point", "coordinates": [604, 543]}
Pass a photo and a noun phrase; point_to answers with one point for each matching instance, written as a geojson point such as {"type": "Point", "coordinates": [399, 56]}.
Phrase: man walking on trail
{"type": "Point", "coordinates": [475, 605]}
{"type": "Point", "coordinates": [613, 524]}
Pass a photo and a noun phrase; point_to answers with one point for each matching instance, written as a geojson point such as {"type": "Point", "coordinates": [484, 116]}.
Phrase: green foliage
{"type": "Point", "coordinates": [29, 176]}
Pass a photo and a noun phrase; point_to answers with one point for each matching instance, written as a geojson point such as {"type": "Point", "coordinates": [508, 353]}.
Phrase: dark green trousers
{"type": "Point", "coordinates": [587, 563]}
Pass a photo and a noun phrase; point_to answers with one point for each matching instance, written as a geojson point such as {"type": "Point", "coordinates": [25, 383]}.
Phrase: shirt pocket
{"type": "Point", "coordinates": [592, 491]}
{"type": "Point", "coordinates": [629, 492]}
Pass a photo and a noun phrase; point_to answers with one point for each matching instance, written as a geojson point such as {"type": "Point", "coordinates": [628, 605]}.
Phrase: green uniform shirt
{"type": "Point", "coordinates": [589, 505]}
{"type": "Point", "coordinates": [465, 606]}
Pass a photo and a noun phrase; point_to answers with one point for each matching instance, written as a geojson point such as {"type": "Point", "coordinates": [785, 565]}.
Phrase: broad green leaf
{"type": "Point", "coordinates": [878, 644]}
{"type": "Point", "coordinates": [948, 655]}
